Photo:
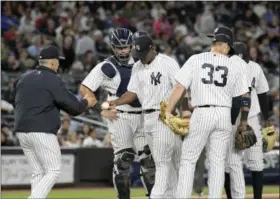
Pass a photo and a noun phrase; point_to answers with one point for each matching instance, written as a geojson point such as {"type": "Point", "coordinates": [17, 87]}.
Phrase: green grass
{"type": "Point", "coordinates": [103, 193]}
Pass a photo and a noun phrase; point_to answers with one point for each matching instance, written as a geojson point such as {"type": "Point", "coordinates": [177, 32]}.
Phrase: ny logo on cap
{"type": "Point", "coordinates": [136, 34]}
{"type": "Point", "coordinates": [240, 55]}
{"type": "Point", "coordinates": [216, 30]}
{"type": "Point", "coordinates": [137, 47]}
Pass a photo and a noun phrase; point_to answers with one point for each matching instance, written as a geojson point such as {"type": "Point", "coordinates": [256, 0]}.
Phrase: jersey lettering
{"type": "Point", "coordinates": [224, 69]}
{"type": "Point", "coordinates": [155, 79]}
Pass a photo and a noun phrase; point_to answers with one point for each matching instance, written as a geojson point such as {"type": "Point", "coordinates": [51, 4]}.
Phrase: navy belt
{"type": "Point", "coordinates": [150, 111]}
{"type": "Point", "coordinates": [208, 106]}
{"type": "Point", "coordinates": [131, 112]}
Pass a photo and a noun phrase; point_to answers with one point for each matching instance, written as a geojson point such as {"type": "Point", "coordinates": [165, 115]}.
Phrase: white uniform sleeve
{"type": "Point", "coordinates": [133, 82]}
{"type": "Point", "coordinates": [261, 82]}
{"type": "Point", "coordinates": [184, 75]}
{"type": "Point", "coordinates": [242, 83]}
{"type": "Point", "coordinates": [94, 79]}
{"type": "Point", "coordinates": [173, 69]}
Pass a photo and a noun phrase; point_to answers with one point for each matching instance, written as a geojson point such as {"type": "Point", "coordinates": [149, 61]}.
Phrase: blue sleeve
{"type": "Point", "coordinates": [66, 100]}
{"type": "Point", "coordinates": [108, 70]}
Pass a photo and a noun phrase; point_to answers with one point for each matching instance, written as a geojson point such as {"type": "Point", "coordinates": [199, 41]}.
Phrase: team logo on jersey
{"type": "Point", "coordinates": [155, 79]}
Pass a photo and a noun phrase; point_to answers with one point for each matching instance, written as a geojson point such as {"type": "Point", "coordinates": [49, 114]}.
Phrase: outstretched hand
{"type": "Point", "coordinates": [90, 99]}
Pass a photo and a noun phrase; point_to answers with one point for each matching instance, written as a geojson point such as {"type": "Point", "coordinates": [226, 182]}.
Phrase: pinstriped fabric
{"type": "Point", "coordinates": [96, 79]}
{"type": "Point", "coordinates": [259, 85]}
{"type": "Point", "coordinates": [234, 167]}
{"type": "Point", "coordinates": [154, 82]}
{"type": "Point", "coordinates": [166, 150]}
{"type": "Point", "coordinates": [46, 153]}
{"type": "Point", "coordinates": [127, 132]}
{"type": "Point", "coordinates": [210, 127]}
{"type": "Point", "coordinates": [254, 156]}
{"type": "Point", "coordinates": [203, 72]}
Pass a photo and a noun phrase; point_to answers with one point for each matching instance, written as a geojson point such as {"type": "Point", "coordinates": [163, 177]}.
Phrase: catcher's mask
{"type": "Point", "coordinates": [121, 44]}
{"type": "Point", "coordinates": [223, 34]}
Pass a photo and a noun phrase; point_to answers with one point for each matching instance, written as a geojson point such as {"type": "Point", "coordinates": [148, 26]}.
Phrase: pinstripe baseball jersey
{"type": "Point", "coordinates": [259, 85]}
{"type": "Point", "coordinates": [153, 82]}
{"type": "Point", "coordinates": [112, 78]}
{"type": "Point", "coordinates": [214, 79]}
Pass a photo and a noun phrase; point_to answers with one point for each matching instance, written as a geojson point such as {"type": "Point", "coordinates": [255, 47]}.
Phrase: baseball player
{"type": "Point", "coordinates": [127, 132]}
{"type": "Point", "coordinates": [38, 96]}
{"type": "Point", "coordinates": [235, 183]}
{"type": "Point", "coordinates": [152, 81]}
{"type": "Point", "coordinates": [213, 80]}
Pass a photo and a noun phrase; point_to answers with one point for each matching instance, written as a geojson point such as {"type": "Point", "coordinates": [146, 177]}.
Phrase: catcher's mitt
{"type": "Point", "coordinates": [180, 126]}
{"type": "Point", "coordinates": [269, 138]}
{"type": "Point", "coordinates": [244, 137]}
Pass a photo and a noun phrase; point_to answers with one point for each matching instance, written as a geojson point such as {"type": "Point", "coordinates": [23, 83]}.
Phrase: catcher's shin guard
{"type": "Point", "coordinates": [257, 182]}
{"type": "Point", "coordinates": [227, 186]}
{"type": "Point", "coordinates": [147, 169]}
{"type": "Point", "coordinates": [121, 172]}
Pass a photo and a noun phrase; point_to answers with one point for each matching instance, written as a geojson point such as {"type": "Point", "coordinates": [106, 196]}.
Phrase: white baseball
{"type": "Point", "coordinates": [105, 105]}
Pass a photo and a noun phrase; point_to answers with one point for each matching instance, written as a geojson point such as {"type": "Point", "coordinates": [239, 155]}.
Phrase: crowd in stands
{"type": "Point", "coordinates": [80, 30]}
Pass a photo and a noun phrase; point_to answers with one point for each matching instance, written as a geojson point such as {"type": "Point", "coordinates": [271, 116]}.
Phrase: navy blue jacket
{"type": "Point", "coordinates": [38, 96]}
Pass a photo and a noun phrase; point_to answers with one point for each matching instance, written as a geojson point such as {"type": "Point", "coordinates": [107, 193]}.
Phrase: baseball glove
{"type": "Point", "coordinates": [179, 125]}
{"type": "Point", "coordinates": [269, 138]}
{"type": "Point", "coordinates": [244, 137]}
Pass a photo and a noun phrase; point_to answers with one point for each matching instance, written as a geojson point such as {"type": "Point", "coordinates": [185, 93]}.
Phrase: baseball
{"type": "Point", "coordinates": [105, 105]}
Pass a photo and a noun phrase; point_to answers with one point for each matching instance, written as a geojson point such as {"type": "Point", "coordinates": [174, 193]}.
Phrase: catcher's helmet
{"type": "Point", "coordinates": [121, 38]}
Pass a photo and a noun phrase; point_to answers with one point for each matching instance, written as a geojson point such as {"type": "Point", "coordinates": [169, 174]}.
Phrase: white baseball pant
{"type": "Point", "coordinates": [253, 158]}
{"type": "Point", "coordinates": [44, 156]}
{"type": "Point", "coordinates": [166, 149]}
{"type": "Point", "coordinates": [211, 127]}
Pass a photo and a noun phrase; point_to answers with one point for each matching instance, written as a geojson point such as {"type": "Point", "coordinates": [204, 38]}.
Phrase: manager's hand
{"type": "Point", "coordinates": [90, 99]}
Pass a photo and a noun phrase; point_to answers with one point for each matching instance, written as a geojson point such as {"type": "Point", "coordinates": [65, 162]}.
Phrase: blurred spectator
{"type": "Point", "coordinates": [107, 140]}
{"type": "Point", "coordinates": [73, 141]}
{"type": "Point", "coordinates": [84, 44]}
{"type": "Point", "coordinates": [91, 140]}
{"type": "Point", "coordinates": [89, 61]}
{"type": "Point", "coordinates": [5, 141]}
{"type": "Point", "coordinates": [35, 47]}
{"type": "Point", "coordinates": [27, 24]}
{"type": "Point", "coordinates": [68, 52]}
{"type": "Point", "coordinates": [63, 131]}
{"type": "Point", "coordinates": [161, 26]}
{"type": "Point", "coordinates": [6, 95]}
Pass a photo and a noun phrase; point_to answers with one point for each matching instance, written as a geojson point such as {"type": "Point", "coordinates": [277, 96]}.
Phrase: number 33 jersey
{"type": "Point", "coordinates": [213, 79]}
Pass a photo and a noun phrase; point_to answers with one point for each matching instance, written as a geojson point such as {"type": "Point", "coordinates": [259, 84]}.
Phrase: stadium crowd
{"type": "Point", "coordinates": [81, 29]}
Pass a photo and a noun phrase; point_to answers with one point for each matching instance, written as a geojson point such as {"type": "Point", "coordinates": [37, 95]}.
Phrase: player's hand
{"type": "Point", "coordinates": [90, 99]}
{"type": "Point", "coordinates": [186, 114]}
{"type": "Point", "coordinates": [112, 104]}
{"type": "Point", "coordinates": [110, 114]}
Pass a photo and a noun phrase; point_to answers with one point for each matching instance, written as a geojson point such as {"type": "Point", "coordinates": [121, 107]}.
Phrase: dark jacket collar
{"type": "Point", "coordinates": [46, 69]}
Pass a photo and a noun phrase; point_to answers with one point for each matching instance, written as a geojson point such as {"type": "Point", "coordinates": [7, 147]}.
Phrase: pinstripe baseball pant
{"type": "Point", "coordinates": [166, 151]}
{"type": "Point", "coordinates": [253, 158]}
{"type": "Point", "coordinates": [44, 156]}
{"type": "Point", "coordinates": [211, 127]}
{"type": "Point", "coordinates": [127, 132]}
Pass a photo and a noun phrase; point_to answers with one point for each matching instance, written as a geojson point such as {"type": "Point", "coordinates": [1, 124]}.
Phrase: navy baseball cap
{"type": "Point", "coordinates": [142, 43]}
{"type": "Point", "coordinates": [223, 34]}
{"type": "Point", "coordinates": [50, 52]}
{"type": "Point", "coordinates": [241, 50]}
